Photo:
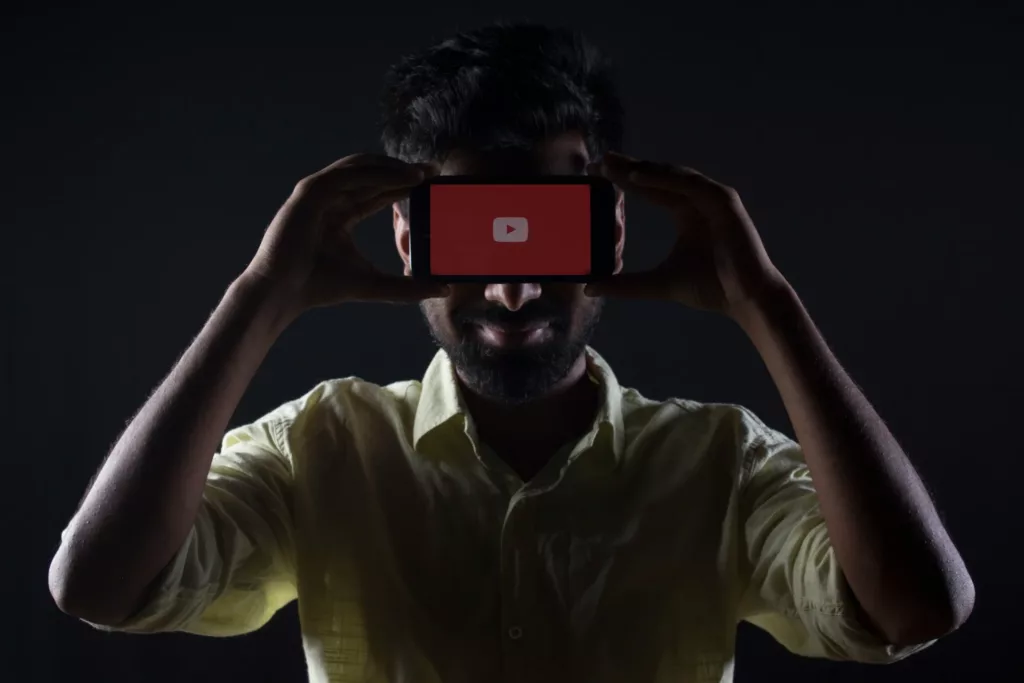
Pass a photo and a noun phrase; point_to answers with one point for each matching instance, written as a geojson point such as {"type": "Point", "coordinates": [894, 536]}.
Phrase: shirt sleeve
{"type": "Point", "coordinates": [795, 589]}
{"type": "Point", "coordinates": [236, 568]}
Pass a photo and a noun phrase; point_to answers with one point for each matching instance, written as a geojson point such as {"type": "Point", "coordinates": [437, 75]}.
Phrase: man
{"type": "Point", "coordinates": [517, 515]}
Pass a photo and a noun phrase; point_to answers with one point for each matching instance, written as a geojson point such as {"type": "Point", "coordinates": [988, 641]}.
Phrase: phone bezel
{"type": "Point", "coordinates": [602, 226]}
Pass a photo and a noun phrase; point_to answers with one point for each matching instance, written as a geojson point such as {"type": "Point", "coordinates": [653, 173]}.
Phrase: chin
{"type": "Point", "coordinates": [511, 368]}
{"type": "Point", "coordinates": [515, 374]}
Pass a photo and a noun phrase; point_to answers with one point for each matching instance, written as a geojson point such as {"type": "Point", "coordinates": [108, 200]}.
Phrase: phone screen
{"type": "Point", "coordinates": [510, 229]}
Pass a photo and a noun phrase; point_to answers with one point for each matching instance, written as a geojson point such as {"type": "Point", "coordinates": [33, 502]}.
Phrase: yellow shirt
{"type": "Point", "coordinates": [417, 555]}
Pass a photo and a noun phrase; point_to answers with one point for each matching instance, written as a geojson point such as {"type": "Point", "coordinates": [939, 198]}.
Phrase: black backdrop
{"type": "Point", "coordinates": [878, 151]}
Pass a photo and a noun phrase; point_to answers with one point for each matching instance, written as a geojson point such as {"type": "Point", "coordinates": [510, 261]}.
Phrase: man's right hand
{"type": "Point", "coordinates": [308, 255]}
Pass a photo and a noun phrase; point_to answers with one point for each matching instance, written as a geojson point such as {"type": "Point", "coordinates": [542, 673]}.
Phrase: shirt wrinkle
{"type": "Point", "coordinates": [417, 555]}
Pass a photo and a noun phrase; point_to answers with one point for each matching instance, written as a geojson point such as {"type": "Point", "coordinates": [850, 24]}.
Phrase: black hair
{"type": "Point", "coordinates": [503, 85]}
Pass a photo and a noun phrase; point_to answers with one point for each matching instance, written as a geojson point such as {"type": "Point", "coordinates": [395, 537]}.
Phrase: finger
{"type": "Point", "coordinates": [363, 159]}
{"type": "Point", "coordinates": [370, 171]}
{"type": "Point", "coordinates": [686, 213]}
{"type": "Point", "coordinates": [684, 210]}
{"type": "Point", "coordinates": [705, 193]}
{"type": "Point", "coordinates": [621, 177]}
{"type": "Point", "coordinates": [699, 189]}
{"type": "Point", "coordinates": [644, 285]}
{"type": "Point", "coordinates": [373, 203]}
{"type": "Point", "coordinates": [353, 165]}
{"type": "Point", "coordinates": [343, 181]}
{"type": "Point", "coordinates": [366, 174]}
{"type": "Point", "coordinates": [668, 176]}
{"type": "Point", "coordinates": [356, 197]}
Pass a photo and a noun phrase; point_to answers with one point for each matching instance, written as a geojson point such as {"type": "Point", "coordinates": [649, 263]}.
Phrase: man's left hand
{"type": "Point", "coordinates": [718, 262]}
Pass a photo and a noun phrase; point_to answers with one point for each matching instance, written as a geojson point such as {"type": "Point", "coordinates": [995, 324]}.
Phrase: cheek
{"type": "Point", "coordinates": [436, 311]}
{"type": "Point", "coordinates": [586, 311]}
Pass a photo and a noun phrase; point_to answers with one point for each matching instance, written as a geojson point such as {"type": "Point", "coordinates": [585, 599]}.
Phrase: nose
{"type": "Point", "coordinates": [512, 295]}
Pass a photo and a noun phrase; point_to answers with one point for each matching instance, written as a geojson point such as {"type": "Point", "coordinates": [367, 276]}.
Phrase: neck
{"type": "Point", "coordinates": [574, 400]}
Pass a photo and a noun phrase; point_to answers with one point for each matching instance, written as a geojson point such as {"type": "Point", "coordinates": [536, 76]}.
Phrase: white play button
{"type": "Point", "coordinates": [511, 229]}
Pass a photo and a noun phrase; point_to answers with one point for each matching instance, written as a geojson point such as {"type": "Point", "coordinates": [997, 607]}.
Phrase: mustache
{"type": "Point", "coordinates": [533, 312]}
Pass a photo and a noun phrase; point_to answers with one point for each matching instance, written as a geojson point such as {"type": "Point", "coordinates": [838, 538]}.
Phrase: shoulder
{"type": "Point", "coordinates": [727, 431]}
{"type": "Point", "coordinates": [334, 404]}
{"type": "Point", "coordinates": [727, 420]}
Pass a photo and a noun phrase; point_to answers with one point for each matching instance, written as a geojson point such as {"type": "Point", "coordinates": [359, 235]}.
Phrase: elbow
{"type": "Point", "coordinates": [61, 585]}
{"type": "Point", "coordinates": [75, 596]}
{"type": "Point", "coordinates": [962, 602]}
{"type": "Point", "coordinates": [942, 615]}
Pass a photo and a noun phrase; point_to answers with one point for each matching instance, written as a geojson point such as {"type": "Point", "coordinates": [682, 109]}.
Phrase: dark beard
{"type": "Point", "coordinates": [516, 376]}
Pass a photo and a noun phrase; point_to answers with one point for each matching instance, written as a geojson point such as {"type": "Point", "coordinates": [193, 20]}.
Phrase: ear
{"type": "Point", "coordinates": [620, 228]}
{"type": "Point", "coordinates": [401, 237]}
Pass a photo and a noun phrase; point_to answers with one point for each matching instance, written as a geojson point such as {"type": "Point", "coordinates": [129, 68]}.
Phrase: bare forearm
{"type": "Point", "coordinates": [145, 498]}
{"type": "Point", "coordinates": [894, 551]}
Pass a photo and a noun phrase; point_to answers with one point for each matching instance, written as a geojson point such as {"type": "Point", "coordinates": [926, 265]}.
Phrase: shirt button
{"type": "Point", "coordinates": [515, 633]}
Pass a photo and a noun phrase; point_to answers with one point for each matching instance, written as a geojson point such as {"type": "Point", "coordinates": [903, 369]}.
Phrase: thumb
{"type": "Point", "coordinates": [399, 289]}
{"type": "Point", "coordinates": [643, 285]}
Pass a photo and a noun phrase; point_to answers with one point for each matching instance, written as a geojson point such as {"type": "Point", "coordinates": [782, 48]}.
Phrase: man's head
{"type": "Point", "coordinates": [505, 99]}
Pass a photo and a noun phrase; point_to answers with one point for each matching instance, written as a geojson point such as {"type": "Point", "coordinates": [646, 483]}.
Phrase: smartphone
{"type": "Point", "coordinates": [505, 229]}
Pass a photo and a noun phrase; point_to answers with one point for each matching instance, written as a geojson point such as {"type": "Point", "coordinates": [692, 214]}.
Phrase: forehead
{"type": "Point", "coordinates": [565, 154]}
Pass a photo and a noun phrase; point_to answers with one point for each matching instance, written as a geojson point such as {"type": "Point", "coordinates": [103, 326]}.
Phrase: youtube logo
{"type": "Point", "coordinates": [511, 229]}
{"type": "Point", "coordinates": [535, 230]}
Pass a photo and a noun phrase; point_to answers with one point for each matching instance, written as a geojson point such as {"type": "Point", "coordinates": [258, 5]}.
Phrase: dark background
{"type": "Point", "coordinates": [878, 150]}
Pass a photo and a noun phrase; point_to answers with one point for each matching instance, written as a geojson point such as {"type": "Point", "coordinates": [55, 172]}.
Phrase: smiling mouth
{"type": "Point", "coordinates": [522, 327]}
{"type": "Point", "coordinates": [504, 335]}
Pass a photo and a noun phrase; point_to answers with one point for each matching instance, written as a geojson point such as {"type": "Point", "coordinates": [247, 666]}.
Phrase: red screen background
{"type": "Point", "coordinates": [462, 239]}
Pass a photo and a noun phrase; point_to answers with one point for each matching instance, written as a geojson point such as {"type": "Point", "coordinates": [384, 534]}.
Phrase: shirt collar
{"type": "Point", "coordinates": [442, 407]}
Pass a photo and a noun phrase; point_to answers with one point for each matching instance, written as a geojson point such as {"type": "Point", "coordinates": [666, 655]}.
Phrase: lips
{"type": "Point", "coordinates": [516, 328]}
{"type": "Point", "coordinates": [507, 335]}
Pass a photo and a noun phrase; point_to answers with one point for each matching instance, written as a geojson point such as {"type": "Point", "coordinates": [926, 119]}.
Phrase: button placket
{"type": "Point", "coordinates": [512, 574]}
